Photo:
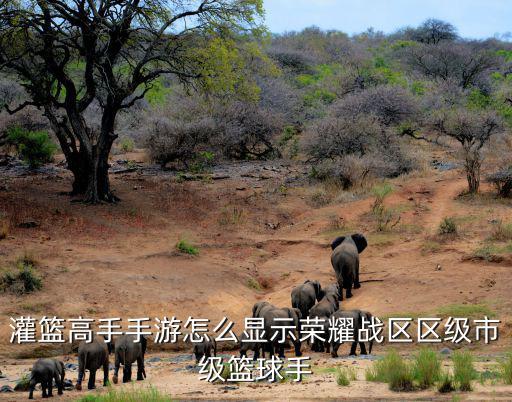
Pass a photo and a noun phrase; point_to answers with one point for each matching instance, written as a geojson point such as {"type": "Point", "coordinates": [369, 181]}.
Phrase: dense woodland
{"type": "Point", "coordinates": [354, 107]}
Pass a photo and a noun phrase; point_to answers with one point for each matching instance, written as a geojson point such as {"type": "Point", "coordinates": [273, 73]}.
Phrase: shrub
{"type": "Point", "coordinates": [127, 144]}
{"type": "Point", "coordinates": [463, 370]}
{"type": "Point", "coordinates": [506, 369]}
{"type": "Point", "coordinates": [427, 368]}
{"type": "Point", "coordinates": [128, 395]}
{"type": "Point", "coordinates": [22, 279]}
{"type": "Point", "coordinates": [253, 284]}
{"type": "Point", "coordinates": [502, 231]}
{"type": "Point", "coordinates": [445, 383]}
{"type": "Point", "coordinates": [183, 246]}
{"type": "Point", "coordinates": [34, 147]}
{"type": "Point", "coordinates": [447, 226]}
{"type": "Point", "coordinates": [385, 217]}
{"type": "Point", "coordinates": [393, 370]}
{"type": "Point", "coordinates": [502, 181]}
{"type": "Point", "coordinates": [344, 375]}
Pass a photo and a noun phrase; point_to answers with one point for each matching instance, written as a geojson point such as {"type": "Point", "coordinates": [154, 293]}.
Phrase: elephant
{"type": "Point", "coordinates": [329, 303]}
{"type": "Point", "coordinates": [306, 295]}
{"type": "Point", "coordinates": [345, 261]}
{"type": "Point", "coordinates": [357, 316]}
{"type": "Point", "coordinates": [204, 349]}
{"type": "Point", "coordinates": [324, 309]}
{"type": "Point", "coordinates": [259, 309]}
{"type": "Point", "coordinates": [127, 351]}
{"type": "Point", "coordinates": [246, 346]}
{"type": "Point", "coordinates": [44, 371]}
{"type": "Point", "coordinates": [93, 356]}
{"type": "Point", "coordinates": [274, 318]}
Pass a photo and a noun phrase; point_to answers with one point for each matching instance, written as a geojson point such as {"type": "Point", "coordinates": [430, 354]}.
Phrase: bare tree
{"type": "Point", "coordinates": [467, 63]}
{"type": "Point", "coordinates": [71, 54]}
{"type": "Point", "coordinates": [433, 31]}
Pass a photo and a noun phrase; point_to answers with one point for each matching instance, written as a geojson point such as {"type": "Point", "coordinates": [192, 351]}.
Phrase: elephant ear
{"type": "Point", "coordinates": [360, 242]}
{"type": "Point", "coordinates": [337, 242]}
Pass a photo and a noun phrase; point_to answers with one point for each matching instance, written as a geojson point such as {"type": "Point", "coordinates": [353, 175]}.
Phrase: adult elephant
{"type": "Point", "coordinates": [306, 295]}
{"type": "Point", "coordinates": [357, 318]}
{"type": "Point", "coordinates": [277, 321]}
{"type": "Point", "coordinates": [93, 356]}
{"type": "Point", "coordinates": [324, 309]}
{"type": "Point", "coordinates": [127, 352]}
{"type": "Point", "coordinates": [345, 261]}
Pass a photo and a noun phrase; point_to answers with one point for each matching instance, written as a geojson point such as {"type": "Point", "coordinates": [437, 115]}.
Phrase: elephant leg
{"type": "Point", "coordinates": [105, 373]}
{"type": "Point", "coordinates": [348, 288]}
{"type": "Point", "coordinates": [362, 346]}
{"type": "Point", "coordinates": [92, 379]}
{"type": "Point", "coordinates": [81, 374]}
{"type": "Point", "coordinates": [297, 345]}
{"type": "Point", "coordinates": [353, 348]}
{"type": "Point", "coordinates": [117, 364]}
{"type": "Point", "coordinates": [357, 284]}
{"type": "Point", "coordinates": [44, 386]}
{"type": "Point", "coordinates": [127, 372]}
{"type": "Point", "coordinates": [256, 354]}
{"type": "Point", "coordinates": [59, 383]}
{"type": "Point", "coordinates": [334, 349]}
{"type": "Point", "coordinates": [50, 387]}
{"type": "Point", "coordinates": [281, 351]}
{"type": "Point", "coordinates": [140, 368]}
{"type": "Point", "coordinates": [327, 347]}
{"type": "Point", "coordinates": [31, 389]}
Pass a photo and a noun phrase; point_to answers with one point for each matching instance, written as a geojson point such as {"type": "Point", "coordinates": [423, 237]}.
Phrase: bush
{"type": "Point", "coordinates": [502, 231]}
{"type": "Point", "coordinates": [132, 395]}
{"type": "Point", "coordinates": [185, 247]}
{"type": "Point", "coordinates": [393, 370]}
{"type": "Point", "coordinates": [426, 368]}
{"type": "Point", "coordinates": [502, 181]}
{"type": "Point", "coordinates": [22, 279]}
{"type": "Point", "coordinates": [344, 375]}
{"type": "Point", "coordinates": [447, 226]}
{"type": "Point", "coordinates": [445, 383]}
{"type": "Point", "coordinates": [4, 230]}
{"type": "Point", "coordinates": [34, 147]}
{"type": "Point", "coordinates": [506, 369]}
{"type": "Point", "coordinates": [463, 370]}
{"type": "Point", "coordinates": [127, 144]}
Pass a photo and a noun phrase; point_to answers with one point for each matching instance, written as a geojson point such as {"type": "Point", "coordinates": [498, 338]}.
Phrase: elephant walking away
{"type": "Point", "coordinates": [345, 261]}
{"type": "Point", "coordinates": [357, 317]}
{"type": "Point", "coordinates": [306, 295]}
{"type": "Point", "coordinates": [205, 349]}
{"type": "Point", "coordinates": [127, 352]}
{"type": "Point", "coordinates": [93, 356]}
{"type": "Point", "coordinates": [275, 320]}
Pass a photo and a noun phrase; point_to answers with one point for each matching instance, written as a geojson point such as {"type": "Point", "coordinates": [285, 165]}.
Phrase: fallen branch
{"type": "Point", "coordinates": [372, 280]}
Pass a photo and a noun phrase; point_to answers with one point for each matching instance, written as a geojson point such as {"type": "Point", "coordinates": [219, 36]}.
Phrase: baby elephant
{"type": "Point", "coordinates": [204, 349]}
{"type": "Point", "coordinates": [127, 352]}
{"type": "Point", "coordinates": [44, 372]}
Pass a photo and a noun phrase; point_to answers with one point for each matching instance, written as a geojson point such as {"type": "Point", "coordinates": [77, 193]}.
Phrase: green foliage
{"type": "Point", "coordinates": [478, 100]}
{"type": "Point", "coordinates": [253, 284]}
{"type": "Point", "coordinates": [319, 95]}
{"type": "Point", "coordinates": [157, 95]}
{"type": "Point", "coordinates": [426, 368]}
{"type": "Point", "coordinates": [202, 162]}
{"type": "Point", "coordinates": [344, 375]}
{"type": "Point", "coordinates": [466, 310]}
{"type": "Point", "coordinates": [183, 246]}
{"type": "Point", "coordinates": [502, 231]}
{"type": "Point", "coordinates": [34, 147]}
{"type": "Point", "coordinates": [384, 216]}
{"type": "Point", "coordinates": [445, 383]}
{"type": "Point", "coordinates": [394, 370]}
{"type": "Point", "coordinates": [506, 369]}
{"type": "Point", "coordinates": [127, 395]}
{"type": "Point", "coordinates": [22, 279]}
{"type": "Point", "coordinates": [463, 369]}
{"type": "Point", "coordinates": [418, 88]}
{"type": "Point", "coordinates": [127, 144]}
{"type": "Point", "coordinates": [447, 226]}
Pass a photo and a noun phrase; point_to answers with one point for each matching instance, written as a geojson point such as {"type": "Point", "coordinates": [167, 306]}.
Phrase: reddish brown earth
{"type": "Point", "coordinates": [120, 260]}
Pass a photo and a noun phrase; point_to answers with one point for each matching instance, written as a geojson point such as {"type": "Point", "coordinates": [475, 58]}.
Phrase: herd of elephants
{"type": "Point", "coordinates": [307, 300]}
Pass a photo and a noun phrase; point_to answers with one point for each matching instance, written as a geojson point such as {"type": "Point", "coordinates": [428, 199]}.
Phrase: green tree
{"type": "Point", "coordinates": [74, 56]}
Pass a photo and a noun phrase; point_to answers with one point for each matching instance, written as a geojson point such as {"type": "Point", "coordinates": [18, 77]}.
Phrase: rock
{"type": "Point", "coordinates": [154, 359]}
{"type": "Point", "coordinates": [229, 388]}
{"type": "Point", "coordinates": [5, 389]}
{"type": "Point", "coordinates": [445, 351]}
{"type": "Point", "coordinates": [71, 366]}
{"type": "Point", "coordinates": [439, 267]}
{"type": "Point", "coordinates": [68, 384]}
{"type": "Point", "coordinates": [28, 225]}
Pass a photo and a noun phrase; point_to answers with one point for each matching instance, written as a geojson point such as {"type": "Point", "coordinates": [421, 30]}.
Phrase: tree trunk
{"type": "Point", "coordinates": [98, 183]}
{"type": "Point", "coordinates": [473, 174]}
